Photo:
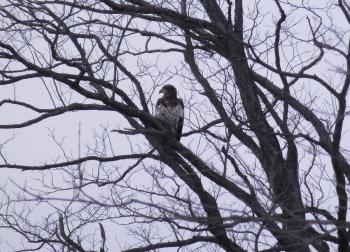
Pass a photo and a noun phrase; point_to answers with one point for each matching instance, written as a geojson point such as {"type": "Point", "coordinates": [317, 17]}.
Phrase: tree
{"type": "Point", "coordinates": [263, 162]}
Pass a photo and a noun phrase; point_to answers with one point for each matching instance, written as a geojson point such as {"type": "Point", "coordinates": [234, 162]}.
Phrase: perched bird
{"type": "Point", "coordinates": [170, 109]}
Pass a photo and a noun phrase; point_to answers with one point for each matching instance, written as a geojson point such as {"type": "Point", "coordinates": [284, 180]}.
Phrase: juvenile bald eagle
{"type": "Point", "coordinates": [170, 109]}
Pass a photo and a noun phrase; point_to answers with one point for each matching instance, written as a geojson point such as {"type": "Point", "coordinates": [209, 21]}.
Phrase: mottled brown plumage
{"type": "Point", "coordinates": [170, 109]}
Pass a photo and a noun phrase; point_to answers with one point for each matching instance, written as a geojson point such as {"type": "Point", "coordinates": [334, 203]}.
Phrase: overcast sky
{"type": "Point", "coordinates": [34, 145]}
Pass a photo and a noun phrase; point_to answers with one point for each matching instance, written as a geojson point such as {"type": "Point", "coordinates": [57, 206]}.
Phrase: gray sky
{"type": "Point", "coordinates": [33, 145]}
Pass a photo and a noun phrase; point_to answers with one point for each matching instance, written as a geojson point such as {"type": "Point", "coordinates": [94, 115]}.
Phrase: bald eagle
{"type": "Point", "coordinates": [170, 109]}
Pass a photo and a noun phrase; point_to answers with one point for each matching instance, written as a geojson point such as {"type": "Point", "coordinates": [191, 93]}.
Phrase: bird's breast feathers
{"type": "Point", "coordinates": [170, 112]}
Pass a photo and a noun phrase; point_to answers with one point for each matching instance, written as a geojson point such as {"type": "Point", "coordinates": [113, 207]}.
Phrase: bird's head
{"type": "Point", "coordinates": [169, 91]}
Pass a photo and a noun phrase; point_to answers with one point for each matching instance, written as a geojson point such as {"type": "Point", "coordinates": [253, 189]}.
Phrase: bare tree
{"type": "Point", "coordinates": [263, 163]}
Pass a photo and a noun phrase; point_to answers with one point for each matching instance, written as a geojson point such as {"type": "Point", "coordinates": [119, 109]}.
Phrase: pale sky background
{"type": "Point", "coordinates": [33, 145]}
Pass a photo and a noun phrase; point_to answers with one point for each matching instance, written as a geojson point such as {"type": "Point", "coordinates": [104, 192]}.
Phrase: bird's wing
{"type": "Point", "coordinates": [181, 108]}
{"type": "Point", "coordinates": [179, 127]}
{"type": "Point", "coordinates": [180, 122]}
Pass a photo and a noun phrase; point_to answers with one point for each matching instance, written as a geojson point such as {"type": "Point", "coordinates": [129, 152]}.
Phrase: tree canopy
{"type": "Point", "coordinates": [263, 164]}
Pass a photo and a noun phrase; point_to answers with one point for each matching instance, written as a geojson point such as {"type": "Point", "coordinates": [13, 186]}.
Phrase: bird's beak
{"type": "Point", "coordinates": [161, 91]}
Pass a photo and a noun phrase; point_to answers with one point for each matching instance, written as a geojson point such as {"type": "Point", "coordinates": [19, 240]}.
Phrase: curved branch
{"type": "Point", "coordinates": [52, 112]}
{"type": "Point", "coordinates": [79, 161]}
